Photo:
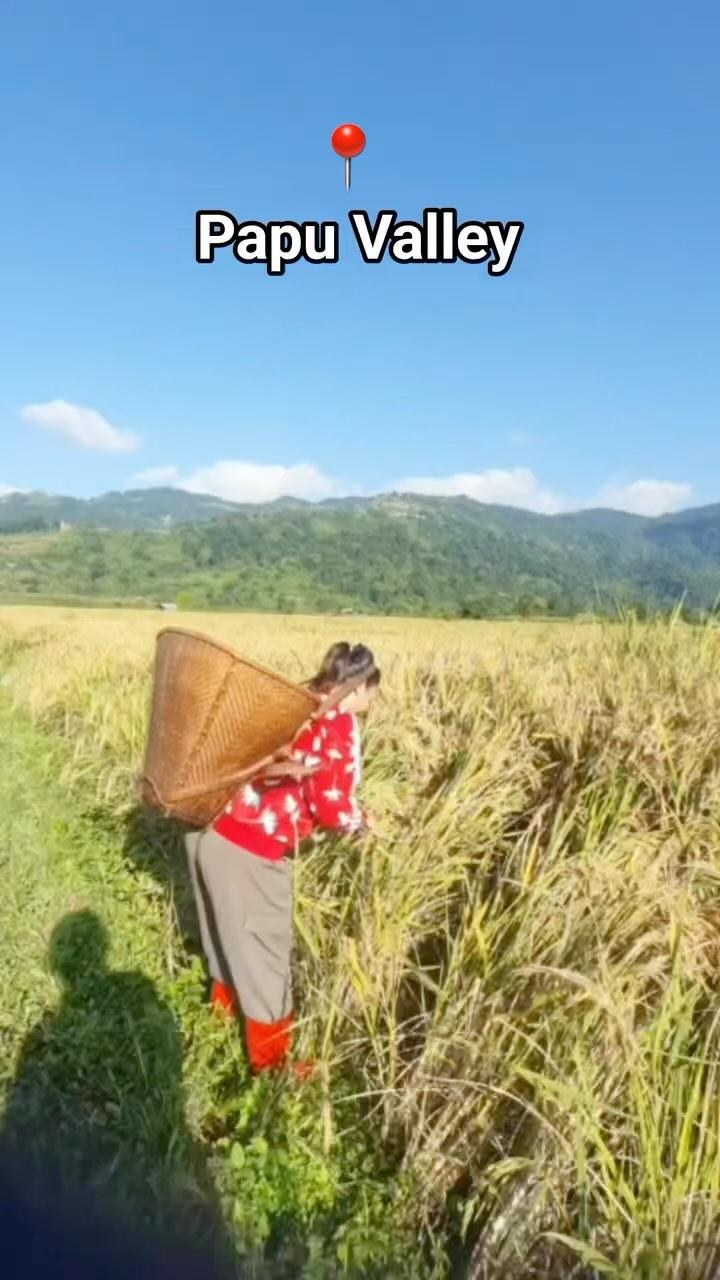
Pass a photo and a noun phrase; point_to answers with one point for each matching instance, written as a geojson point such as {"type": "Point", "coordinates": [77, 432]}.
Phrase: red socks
{"type": "Point", "coordinates": [223, 998]}
{"type": "Point", "coordinates": [268, 1043]}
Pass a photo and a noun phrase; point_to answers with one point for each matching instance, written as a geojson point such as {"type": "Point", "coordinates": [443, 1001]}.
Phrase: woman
{"type": "Point", "coordinates": [241, 866]}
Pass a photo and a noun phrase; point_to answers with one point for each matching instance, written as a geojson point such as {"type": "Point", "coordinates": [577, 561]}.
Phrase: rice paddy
{"type": "Point", "coordinates": [511, 992]}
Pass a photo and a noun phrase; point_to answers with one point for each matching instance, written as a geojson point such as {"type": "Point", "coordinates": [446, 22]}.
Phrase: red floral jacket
{"type": "Point", "coordinates": [271, 817]}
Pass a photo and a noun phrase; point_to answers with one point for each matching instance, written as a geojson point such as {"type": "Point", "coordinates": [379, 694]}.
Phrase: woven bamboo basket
{"type": "Point", "coordinates": [216, 718]}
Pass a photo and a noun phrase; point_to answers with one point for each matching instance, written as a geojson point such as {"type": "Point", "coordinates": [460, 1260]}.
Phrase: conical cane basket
{"type": "Point", "coordinates": [215, 719]}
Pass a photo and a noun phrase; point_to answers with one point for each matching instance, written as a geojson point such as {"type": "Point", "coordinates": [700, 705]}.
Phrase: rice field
{"type": "Point", "coordinates": [512, 991]}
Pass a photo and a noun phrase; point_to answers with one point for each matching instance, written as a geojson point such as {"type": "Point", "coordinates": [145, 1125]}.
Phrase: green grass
{"type": "Point", "coordinates": [95, 1026]}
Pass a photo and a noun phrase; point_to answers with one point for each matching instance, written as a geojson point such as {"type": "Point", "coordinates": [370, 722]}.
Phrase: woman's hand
{"type": "Point", "coordinates": [289, 769]}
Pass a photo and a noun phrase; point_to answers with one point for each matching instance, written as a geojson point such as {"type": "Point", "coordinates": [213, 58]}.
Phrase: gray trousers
{"type": "Point", "coordinates": [245, 910]}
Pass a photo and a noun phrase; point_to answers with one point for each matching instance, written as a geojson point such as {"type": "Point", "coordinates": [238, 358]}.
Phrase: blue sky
{"type": "Point", "coordinates": [588, 373]}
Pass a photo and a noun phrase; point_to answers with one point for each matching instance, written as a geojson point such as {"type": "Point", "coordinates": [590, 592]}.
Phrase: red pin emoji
{"type": "Point", "coordinates": [348, 140]}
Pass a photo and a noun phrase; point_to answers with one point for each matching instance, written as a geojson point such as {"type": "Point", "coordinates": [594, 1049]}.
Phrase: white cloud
{"type": "Point", "coordinates": [646, 497]}
{"type": "Point", "coordinates": [516, 488]}
{"type": "Point", "coordinates": [521, 488]}
{"type": "Point", "coordinates": [85, 427]}
{"type": "Point", "coordinates": [237, 481]}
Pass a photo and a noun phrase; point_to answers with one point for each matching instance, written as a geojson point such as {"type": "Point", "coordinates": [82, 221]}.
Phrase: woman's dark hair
{"type": "Point", "coordinates": [346, 662]}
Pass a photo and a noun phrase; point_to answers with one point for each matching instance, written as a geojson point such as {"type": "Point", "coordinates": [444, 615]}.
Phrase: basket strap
{"type": "Point", "coordinates": [286, 769]}
{"type": "Point", "coordinates": [221, 784]}
{"type": "Point", "coordinates": [340, 692]}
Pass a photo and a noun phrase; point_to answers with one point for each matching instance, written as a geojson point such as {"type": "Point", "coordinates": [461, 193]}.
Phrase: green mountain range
{"type": "Point", "coordinates": [137, 509]}
{"type": "Point", "coordinates": [391, 554]}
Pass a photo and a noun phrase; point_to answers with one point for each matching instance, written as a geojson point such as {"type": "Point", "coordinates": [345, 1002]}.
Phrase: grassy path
{"type": "Point", "coordinates": [104, 1039]}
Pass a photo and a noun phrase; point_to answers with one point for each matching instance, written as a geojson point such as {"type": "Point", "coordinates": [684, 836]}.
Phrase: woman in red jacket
{"type": "Point", "coordinates": [242, 866]}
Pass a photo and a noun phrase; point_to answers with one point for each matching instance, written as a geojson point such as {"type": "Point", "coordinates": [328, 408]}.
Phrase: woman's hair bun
{"type": "Point", "coordinates": [346, 662]}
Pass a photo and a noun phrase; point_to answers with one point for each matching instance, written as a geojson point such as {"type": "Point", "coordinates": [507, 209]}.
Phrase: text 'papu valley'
{"type": "Point", "coordinates": [438, 238]}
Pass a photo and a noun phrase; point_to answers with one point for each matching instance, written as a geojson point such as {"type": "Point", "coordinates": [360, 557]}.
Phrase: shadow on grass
{"type": "Point", "coordinates": [95, 1115]}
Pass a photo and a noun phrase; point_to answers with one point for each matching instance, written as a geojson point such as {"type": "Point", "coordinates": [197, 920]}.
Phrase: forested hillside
{"type": "Point", "coordinates": [396, 554]}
